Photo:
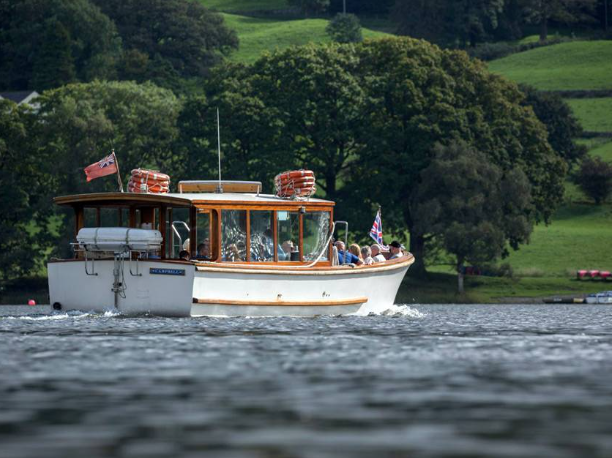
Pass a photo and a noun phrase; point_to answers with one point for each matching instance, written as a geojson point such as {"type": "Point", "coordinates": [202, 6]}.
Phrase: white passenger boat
{"type": "Point", "coordinates": [250, 255]}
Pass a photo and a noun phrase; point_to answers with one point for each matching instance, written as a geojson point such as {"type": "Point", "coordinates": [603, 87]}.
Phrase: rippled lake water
{"type": "Point", "coordinates": [426, 380]}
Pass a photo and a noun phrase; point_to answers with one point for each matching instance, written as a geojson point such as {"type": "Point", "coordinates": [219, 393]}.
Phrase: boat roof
{"type": "Point", "coordinates": [185, 199]}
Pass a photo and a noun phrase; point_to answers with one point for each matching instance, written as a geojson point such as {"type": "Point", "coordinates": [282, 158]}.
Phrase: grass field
{"type": "Point", "coordinates": [595, 115]}
{"type": "Point", "coordinates": [244, 5]}
{"type": "Point", "coordinates": [578, 65]}
{"type": "Point", "coordinates": [258, 35]}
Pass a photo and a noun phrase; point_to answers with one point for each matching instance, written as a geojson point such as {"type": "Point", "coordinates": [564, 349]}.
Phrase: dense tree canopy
{"type": "Point", "coordinates": [475, 209]}
{"type": "Point", "coordinates": [562, 126]}
{"type": "Point", "coordinates": [80, 123]}
{"type": "Point", "coordinates": [366, 119]}
{"type": "Point", "coordinates": [25, 203]}
{"type": "Point", "coordinates": [34, 33]}
{"type": "Point", "coordinates": [420, 95]}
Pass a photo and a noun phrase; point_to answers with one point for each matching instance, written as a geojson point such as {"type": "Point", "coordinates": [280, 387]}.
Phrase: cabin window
{"type": "Point", "coordinates": [262, 236]}
{"type": "Point", "coordinates": [177, 232]}
{"type": "Point", "coordinates": [288, 229]}
{"type": "Point", "coordinates": [316, 232]}
{"type": "Point", "coordinates": [233, 235]}
{"type": "Point", "coordinates": [203, 247]}
{"type": "Point", "coordinates": [106, 217]}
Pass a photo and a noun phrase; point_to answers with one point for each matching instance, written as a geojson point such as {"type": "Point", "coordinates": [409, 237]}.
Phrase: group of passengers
{"type": "Point", "coordinates": [368, 255]}
{"type": "Point", "coordinates": [355, 255]}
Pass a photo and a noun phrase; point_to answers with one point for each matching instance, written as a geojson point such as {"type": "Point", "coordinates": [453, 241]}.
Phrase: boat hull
{"type": "Point", "coordinates": [185, 289]}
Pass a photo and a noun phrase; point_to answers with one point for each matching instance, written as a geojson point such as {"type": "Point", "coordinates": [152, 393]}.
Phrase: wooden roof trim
{"type": "Point", "coordinates": [120, 197]}
{"type": "Point", "coordinates": [263, 203]}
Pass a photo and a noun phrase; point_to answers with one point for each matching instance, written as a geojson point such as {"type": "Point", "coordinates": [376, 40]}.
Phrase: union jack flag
{"type": "Point", "coordinates": [106, 166]}
{"type": "Point", "coordinates": [376, 231]}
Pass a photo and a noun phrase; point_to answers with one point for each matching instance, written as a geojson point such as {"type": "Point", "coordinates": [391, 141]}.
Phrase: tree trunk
{"type": "Point", "coordinates": [460, 278]}
{"type": "Point", "coordinates": [543, 30]}
{"type": "Point", "coordinates": [417, 248]}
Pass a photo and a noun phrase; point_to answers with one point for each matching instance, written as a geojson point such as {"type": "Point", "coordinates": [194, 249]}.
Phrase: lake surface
{"type": "Point", "coordinates": [425, 380]}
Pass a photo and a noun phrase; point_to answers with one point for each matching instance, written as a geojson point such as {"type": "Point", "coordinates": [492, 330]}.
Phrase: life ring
{"type": "Point", "coordinates": [150, 174]}
{"type": "Point", "coordinates": [295, 180]}
{"type": "Point", "coordinates": [295, 174]}
{"type": "Point", "coordinates": [149, 182]}
{"type": "Point", "coordinates": [295, 183]}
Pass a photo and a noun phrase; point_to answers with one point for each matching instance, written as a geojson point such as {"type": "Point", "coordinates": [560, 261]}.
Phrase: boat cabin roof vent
{"type": "Point", "coordinates": [214, 185]}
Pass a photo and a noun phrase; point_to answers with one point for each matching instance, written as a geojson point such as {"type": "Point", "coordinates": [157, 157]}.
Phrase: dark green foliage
{"type": "Point", "coordinates": [25, 199]}
{"type": "Point", "coordinates": [178, 36]}
{"type": "Point", "coordinates": [449, 22]}
{"type": "Point", "coordinates": [309, 7]}
{"type": "Point", "coordinates": [345, 28]}
{"type": "Point", "coordinates": [419, 96]}
{"type": "Point", "coordinates": [54, 65]}
{"type": "Point", "coordinates": [365, 7]}
{"type": "Point", "coordinates": [25, 27]}
{"type": "Point", "coordinates": [473, 207]}
{"type": "Point", "coordinates": [595, 178]}
{"type": "Point", "coordinates": [80, 123]}
{"type": "Point", "coordinates": [541, 12]}
{"type": "Point", "coordinates": [560, 122]}
{"type": "Point", "coordinates": [366, 118]}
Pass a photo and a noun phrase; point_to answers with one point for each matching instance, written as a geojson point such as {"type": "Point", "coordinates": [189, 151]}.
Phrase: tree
{"type": "Point", "coordinates": [55, 65]}
{"type": "Point", "coordinates": [249, 131]}
{"type": "Point", "coordinates": [344, 28]}
{"type": "Point", "coordinates": [26, 27]}
{"type": "Point", "coordinates": [475, 209]}
{"type": "Point", "coordinates": [304, 107]}
{"type": "Point", "coordinates": [419, 95]}
{"type": "Point", "coordinates": [79, 124]}
{"type": "Point", "coordinates": [595, 179]}
{"type": "Point", "coordinates": [564, 11]}
{"type": "Point", "coordinates": [25, 198]}
{"type": "Point", "coordinates": [562, 126]}
{"type": "Point", "coordinates": [449, 22]}
{"type": "Point", "coordinates": [180, 33]}
{"type": "Point", "coordinates": [310, 6]}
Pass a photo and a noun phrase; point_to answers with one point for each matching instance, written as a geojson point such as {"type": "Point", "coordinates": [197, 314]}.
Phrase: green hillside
{"type": "Point", "coordinates": [579, 238]}
{"type": "Point", "coordinates": [578, 65]}
{"type": "Point", "coordinates": [244, 5]}
{"type": "Point", "coordinates": [595, 115]}
{"type": "Point", "coordinates": [258, 34]}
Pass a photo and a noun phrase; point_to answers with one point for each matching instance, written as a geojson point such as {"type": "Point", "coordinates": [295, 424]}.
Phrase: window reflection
{"type": "Point", "coordinates": [262, 237]}
{"type": "Point", "coordinates": [316, 232]}
{"type": "Point", "coordinates": [233, 235]}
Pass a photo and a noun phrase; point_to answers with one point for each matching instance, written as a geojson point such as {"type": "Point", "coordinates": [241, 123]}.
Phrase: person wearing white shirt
{"type": "Point", "coordinates": [376, 253]}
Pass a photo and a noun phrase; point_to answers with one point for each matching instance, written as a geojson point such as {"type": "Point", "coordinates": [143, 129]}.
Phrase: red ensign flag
{"type": "Point", "coordinates": [106, 166]}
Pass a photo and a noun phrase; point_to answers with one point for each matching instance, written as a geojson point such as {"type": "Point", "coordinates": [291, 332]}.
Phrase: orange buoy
{"type": "Point", "coordinates": [145, 181]}
{"type": "Point", "coordinates": [295, 183]}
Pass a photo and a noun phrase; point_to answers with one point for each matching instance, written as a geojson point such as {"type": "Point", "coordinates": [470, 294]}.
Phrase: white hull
{"type": "Point", "coordinates": [227, 290]}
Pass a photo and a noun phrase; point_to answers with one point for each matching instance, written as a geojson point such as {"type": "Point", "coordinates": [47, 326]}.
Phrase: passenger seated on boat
{"type": "Point", "coordinates": [377, 255]}
{"type": "Point", "coordinates": [284, 254]}
{"type": "Point", "coordinates": [184, 255]}
{"type": "Point", "coordinates": [396, 249]}
{"type": "Point", "coordinates": [204, 250]}
{"type": "Point", "coordinates": [350, 257]}
{"type": "Point", "coordinates": [366, 254]}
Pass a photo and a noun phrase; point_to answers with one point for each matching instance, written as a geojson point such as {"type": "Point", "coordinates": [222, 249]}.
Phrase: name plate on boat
{"type": "Point", "coordinates": [158, 271]}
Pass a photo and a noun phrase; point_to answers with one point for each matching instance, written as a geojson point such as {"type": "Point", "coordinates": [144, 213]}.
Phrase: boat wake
{"type": "Point", "coordinates": [396, 310]}
{"type": "Point", "coordinates": [55, 316]}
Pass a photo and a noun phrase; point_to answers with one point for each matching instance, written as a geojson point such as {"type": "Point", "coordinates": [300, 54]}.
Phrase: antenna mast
{"type": "Point", "coordinates": [219, 187]}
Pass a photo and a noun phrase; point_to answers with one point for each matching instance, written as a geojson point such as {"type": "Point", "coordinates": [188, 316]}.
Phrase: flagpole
{"type": "Point", "coordinates": [118, 174]}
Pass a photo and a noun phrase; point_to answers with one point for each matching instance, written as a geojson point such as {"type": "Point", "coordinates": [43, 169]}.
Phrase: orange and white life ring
{"type": "Point", "coordinates": [295, 183]}
{"type": "Point", "coordinates": [150, 174]}
{"type": "Point", "coordinates": [145, 181]}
